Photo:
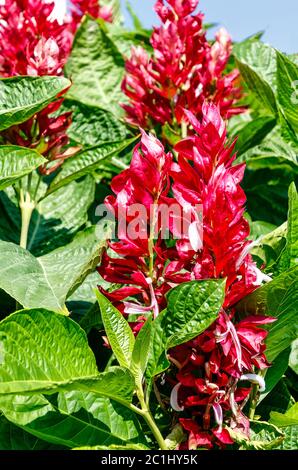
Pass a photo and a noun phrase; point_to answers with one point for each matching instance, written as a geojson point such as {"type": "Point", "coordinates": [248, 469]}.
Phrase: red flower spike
{"type": "Point", "coordinates": [214, 368]}
{"type": "Point", "coordinates": [183, 72]}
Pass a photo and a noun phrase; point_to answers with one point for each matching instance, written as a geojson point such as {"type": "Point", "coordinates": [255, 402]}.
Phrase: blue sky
{"type": "Point", "coordinates": [242, 18]}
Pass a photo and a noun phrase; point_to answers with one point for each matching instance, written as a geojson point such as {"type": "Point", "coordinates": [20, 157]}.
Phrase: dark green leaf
{"type": "Point", "coordinates": [73, 419]}
{"type": "Point", "coordinates": [253, 133]}
{"type": "Point", "coordinates": [56, 218]}
{"type": "Point", "coordinates": [14, 438]}
{"type": "Point", "coordinates": [275, 372]}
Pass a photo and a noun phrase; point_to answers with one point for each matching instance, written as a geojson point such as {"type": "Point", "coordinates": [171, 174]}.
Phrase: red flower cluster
{"type": "Point", "coordinates": [93, 8]}
{"type": "Point", "coordinates": [211, 371]}
{"type": "Point", "coordinates": [210, 368]}
{"type": "Point", "coordinates": [31, 42]}
{"type": "Point", "coordinates": [145, 184]}
{"type": "Point", "coordinates": [184, 71]}
{"type": "Point", "coordinates": [36, 40]}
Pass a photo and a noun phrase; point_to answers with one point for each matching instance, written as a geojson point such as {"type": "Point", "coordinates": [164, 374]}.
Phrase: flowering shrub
{"type": "Point", "coordinates": [148, 232]}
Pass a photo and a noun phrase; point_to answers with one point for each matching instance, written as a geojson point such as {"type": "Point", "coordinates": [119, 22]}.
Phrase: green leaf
{"type": "Point", "coordinates": [14, 438]}
{"type": "Point", "coordinates": [290, 418]}
{"type": "Point", "coordinates": [275, 372]}
{"type": "Point", "coordinates": [87, 162]}
{"type": "Point", "coordinates": [118, 331]}
{"type": "Point", "coordinates": [140, 353]}
{"type": "Point", "coordinates": [260, 57]}
{"type": "Point", "coordinates": [269, 247]}
{"type": "Point", "coordinates": [22, 97]}
{"type": "Point", "coordinates": [279, 399]}
{"type": "Point", "coordinates": [287, 83]}
{"type": "Point", "coordinates": [56, 218]}
{"type": "Point", "coordinates": [96, 68]}
{"type": "Point", "coordinates": [272, 152]}
{"type": "Point", "coordinates": [264, 436]}
{"type": "Point", "coordinates": [293, 361]}
{"type": "Point", "coordinates": [73, 419]}
{"type": "Point", "coordinates": [48, 280]}
{"type": "Point", "coordinates": [253, 133]}
{"type": "Point", "coordinates": [289, 257]}
{"type": "Point", "coordinates": [192, 308]}
{"type": "Point", "coordinates": [125, 40]}
{"type": "Point", "coordinates": [30, 364]}
{"type": "Point", "coordinates": [16, 162]}
{"type": "Point", "coordinates": [257, 64]}
{"type": "Point", "coordinates": [277, 298]}
{"type": "Point", "coordinates": [91, 125]}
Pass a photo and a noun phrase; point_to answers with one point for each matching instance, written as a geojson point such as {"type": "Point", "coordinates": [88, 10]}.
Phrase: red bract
{"type": "Point", "coordinates": [205, 175]}
{"type": "Point", "coordinates": [92, 8]}
{"type": "Point", "coordinates": [183, 72]}
{"type": "Point", "coordinates": [143, 187]}
{"type": "Point", "coordinates": [211, 372]}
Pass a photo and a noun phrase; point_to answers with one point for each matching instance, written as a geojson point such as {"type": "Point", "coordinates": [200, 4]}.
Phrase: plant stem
{"type": "Point", "coordinates": [27, 207]}
{"type": "Point", "coordinates": [253, 401]}
{"type": "Point", "coordinates": [145, 412]}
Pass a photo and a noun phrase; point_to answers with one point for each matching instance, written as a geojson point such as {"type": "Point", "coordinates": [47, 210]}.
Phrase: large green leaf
{"type": "Point", "coordinates": [48, 280]}
{"type": "Point", "coordinates": [289, 257]}
{"type": "Point", "coordinates": [118, 331]}
{"type": "Point", "coordinates": [14, 438]}
{"type": "Point", "coordinates": [56, 218]}
{"type": "Point", "coordinates": [73, 419]}
{"type": "Point", "coordinates": [88, 161]}
{"type": "Point", "coordinates": [278, 298]}
{"type": "Point", "coordinates": [22, 97]}
{"type": "Point", "coordinates": [287, 81]}
{"type": "Point", "coordinates": [192, 308]}
{"type": "Point", "coordinates": [96, 68]}
{"type": "Point", "coordinates": [264, 436]}
{"type": "Point", "coordinates": [260, 57]}
{"type": "Point", "coordinates": [43, 352]}
{"type": "Point", "coordinates": [16, 162]}
{"type": "Point", "coordinates": [290, 418]}
{"type": "Point", "coordinates": [257, 64]}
